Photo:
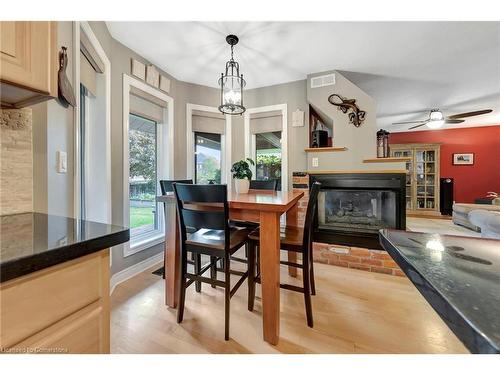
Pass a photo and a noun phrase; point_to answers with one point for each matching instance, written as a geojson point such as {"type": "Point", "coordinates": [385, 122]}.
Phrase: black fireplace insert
{"type": "Point", "coordinates": [353, 207]}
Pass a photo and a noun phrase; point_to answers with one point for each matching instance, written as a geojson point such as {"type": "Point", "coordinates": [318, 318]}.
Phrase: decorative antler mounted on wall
{"type": "Point", "coordinates": [356, 116]}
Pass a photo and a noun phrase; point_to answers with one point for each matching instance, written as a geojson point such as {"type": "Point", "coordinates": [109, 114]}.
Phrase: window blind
{"type": "Point", "coordinates": [266, 122]}
{"type": "Point", "coordinates": [208, 122]}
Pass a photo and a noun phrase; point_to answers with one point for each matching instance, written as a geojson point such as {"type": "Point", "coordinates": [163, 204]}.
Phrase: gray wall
{"type": "Point", "coordinates": [360, 141]}
{"type": "Point", "coordinates": [53, 130]}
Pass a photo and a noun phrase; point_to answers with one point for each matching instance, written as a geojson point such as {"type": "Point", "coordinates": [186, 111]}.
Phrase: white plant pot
{"type": "Point", "coordinates": [241, 186]}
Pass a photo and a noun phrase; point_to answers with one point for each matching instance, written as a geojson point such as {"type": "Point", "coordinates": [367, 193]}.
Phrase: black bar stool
{"type": "Point", "coordinates": [295, 239]}
{"type": "Point", "coordinates": [206, 207]}
{"type": "Point", "coordinates": [166, 186]}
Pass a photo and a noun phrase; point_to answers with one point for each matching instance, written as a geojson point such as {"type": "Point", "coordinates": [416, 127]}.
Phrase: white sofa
{"type": "Point", "coordinates": [461, 212]}
{"type": "Point", "coordinates": [487, 221]}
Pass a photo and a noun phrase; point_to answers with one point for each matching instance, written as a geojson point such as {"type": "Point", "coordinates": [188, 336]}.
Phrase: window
{"type": "Point", "coordinates": [207, 158]}
{"type": "Point", "coordinates": [266, 142]}
{"type": "Point", "coordinates": [148, 157]}
{"type": "Point", "coordinates": [268, 156]}
{"type": "Point", "coordinates": [143, 172]}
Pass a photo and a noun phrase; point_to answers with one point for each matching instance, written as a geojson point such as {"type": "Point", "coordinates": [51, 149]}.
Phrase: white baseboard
{"type": "Point", "coordinates": [131, 271]}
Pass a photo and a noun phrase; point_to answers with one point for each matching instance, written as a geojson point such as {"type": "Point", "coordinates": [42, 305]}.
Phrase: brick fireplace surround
{"type": "Point", "coordinates": [351, 257]}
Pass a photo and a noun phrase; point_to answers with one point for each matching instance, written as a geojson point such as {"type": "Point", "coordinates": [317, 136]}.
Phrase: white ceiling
{"type": "Point", "coordinates": [408, 67]}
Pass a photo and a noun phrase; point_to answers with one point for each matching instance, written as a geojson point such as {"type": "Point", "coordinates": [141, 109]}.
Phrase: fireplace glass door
{"type": "Point", "coordinates": [357, 210]}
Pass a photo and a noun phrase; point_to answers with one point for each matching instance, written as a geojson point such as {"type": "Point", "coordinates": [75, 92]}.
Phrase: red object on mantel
{"type": "Point", "coordinates": [471, 182]}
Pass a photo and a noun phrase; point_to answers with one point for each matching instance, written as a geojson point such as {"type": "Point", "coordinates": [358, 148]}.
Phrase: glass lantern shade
{"type": "Point", "coordinates": [232, 94]}
{"type": "Point", "coordinates": [231, 88]}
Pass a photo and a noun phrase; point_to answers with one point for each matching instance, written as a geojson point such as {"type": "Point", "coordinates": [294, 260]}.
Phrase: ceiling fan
{"type": "Point", "coordinates": [437, 119]}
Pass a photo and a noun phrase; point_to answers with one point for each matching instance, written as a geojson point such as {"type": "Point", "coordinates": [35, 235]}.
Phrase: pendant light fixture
{"type": "Point", "coordinates": [231, 84]}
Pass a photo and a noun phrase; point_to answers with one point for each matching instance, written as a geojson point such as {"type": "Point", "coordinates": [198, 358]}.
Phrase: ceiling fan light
{"type": "Point", "coordinates": [436, 115]}
{"type": "Point", "coordinates": [435, 124]}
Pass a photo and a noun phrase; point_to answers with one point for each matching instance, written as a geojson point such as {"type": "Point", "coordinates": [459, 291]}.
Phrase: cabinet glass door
{"type": "Point", "coordinates": [426, 177]}
{"type": "Point", "coordinates": [430, 179]}
{"type": "Point", "coordinates": [409, 175]}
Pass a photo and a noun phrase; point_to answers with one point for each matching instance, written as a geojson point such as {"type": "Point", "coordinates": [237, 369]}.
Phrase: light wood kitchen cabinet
{"type": "Point", "coordinates": [61, 309]}
{"type": "Point", "coordinates": [28, 62]}
{"type": "Point", "coordinates": [422, 176]}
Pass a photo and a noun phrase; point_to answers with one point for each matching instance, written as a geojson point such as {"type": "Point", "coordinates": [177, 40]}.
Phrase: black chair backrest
{"type": "Point", "coordinates": [264, 184]}
{"type": "Point", "coordinates": [202, 206]}
{"type": "Point", "coordinates": [166, 185]}
{"type": "Point", "coordinates": [311, 210]}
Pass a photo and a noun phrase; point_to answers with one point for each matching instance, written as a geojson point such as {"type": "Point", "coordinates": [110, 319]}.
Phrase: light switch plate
{"type": "Point", "coordinates": [62, 162]}
{"type": "Point", "coordinates": [315, 162]}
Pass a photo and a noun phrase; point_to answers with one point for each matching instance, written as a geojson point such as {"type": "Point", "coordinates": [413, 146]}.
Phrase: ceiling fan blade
{"type": "Point", "coordinates": [453, 121]}
{"type": "Point", "coordinates": [470, 114]}
{"type": "Point", "coordinates": [417, 126]}
{"type": "Point", "coordinates": [408, 122]}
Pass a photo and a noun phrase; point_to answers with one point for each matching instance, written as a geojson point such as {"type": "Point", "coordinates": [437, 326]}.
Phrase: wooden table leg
{"type": "Point", "coordinates": [270, 274]}
{"type": "Point", "coordinates": [172, 255]}
{"type": "Point", "coordinates": [292, 219]}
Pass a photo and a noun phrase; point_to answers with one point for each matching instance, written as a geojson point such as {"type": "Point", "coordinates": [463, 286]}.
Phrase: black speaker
{"type": "Point", "coordinates": [319, 138]}
{"type": "Point", "coordinates": [446, 195]}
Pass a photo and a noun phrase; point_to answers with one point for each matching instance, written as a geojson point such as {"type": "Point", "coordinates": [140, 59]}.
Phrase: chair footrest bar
{"type": "Point", "coordinates": [285, 286]}
{"type": "Point", "coordinates": [204, 269]}
{"type": "Point", "coordinates": [203, 279]}
{"type": "Point", "coordinates": [241, 260]}
{"type": "Point", "coordinates": [238, 284]}
{"type": "Point", "coordinates": [232, 272]}
{"type": "Point", "coordinates": [292, 264]}
{"type": "Point", "coordinates": [292, 287]}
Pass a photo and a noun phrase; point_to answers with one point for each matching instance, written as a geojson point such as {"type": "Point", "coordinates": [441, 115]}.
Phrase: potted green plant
{"type": "Point", "coordinates": [242, 175]}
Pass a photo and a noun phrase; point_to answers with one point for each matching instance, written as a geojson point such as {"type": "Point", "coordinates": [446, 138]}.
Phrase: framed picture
{"type": "Point", "coordinates": [463, 159]}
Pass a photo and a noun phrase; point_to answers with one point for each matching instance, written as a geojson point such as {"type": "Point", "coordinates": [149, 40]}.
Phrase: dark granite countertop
{"type": "Point", "coordinates": [459, 277]}
{"type": "Point", "coordinates": [33, 241]}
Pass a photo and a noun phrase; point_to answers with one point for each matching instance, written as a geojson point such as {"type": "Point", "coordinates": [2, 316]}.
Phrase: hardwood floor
{"type": "Point", "coordinates": [354, 312]}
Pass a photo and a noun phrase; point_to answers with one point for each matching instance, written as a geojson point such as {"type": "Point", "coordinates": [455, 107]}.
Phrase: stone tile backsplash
{"type": "Point", "coordinates": [16, 161]}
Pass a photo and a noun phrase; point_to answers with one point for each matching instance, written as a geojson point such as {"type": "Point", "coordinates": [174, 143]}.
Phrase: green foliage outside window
{"type": "Point", "coordinates": [209, 171]}
{"type": "Point", "coordinates": [269, 165]}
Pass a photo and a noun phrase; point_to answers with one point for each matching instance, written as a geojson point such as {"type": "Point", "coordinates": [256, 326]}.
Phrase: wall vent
{"type": "Point", "coordinates": [321, 81]}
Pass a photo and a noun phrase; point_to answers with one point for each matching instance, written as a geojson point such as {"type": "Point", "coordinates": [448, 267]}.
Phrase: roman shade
{"type": "Point", "coordinates": [145, 108]}
{"type": "Point", "coordinates": [208, 122]}
{"type": "Point", "coordinates": [88, 75]}
{"type": "Point", "coordinates": [266, 122]}
{"type": "Point", "coordinates": [150, 98]}
{"type": "Point", "coordinates": [90, 53]}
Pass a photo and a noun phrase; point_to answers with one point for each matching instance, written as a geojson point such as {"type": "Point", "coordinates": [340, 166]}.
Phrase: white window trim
{"type": "Point", "coordinates": [225, 143]}
{"type": "Point", "coordinates": [250, 138]}
{"type": "Point", "coordinates": [85, 27]}
{"type": "Point", "coordinates": [165, 152]}
{"type": "Point", "coordinates": [77, 27]}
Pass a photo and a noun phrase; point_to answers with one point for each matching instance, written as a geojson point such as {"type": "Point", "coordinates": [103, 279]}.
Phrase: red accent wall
{"type": "Point", "coordinates": [473, 181]}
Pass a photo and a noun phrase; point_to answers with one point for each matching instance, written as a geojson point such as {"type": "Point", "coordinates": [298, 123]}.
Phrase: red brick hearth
{"type": "Point", "coordinates": [356, 257]}
{"type": "Point", "coordinates": [344, 256]}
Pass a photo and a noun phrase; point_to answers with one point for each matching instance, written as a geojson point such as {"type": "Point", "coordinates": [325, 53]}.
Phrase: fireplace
{"type": "Point", "coordinates": [352, 207]}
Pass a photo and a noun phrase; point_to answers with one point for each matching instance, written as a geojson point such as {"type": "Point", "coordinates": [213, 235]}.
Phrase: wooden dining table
{"type": "Point", "coordinates": [259, 206]}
